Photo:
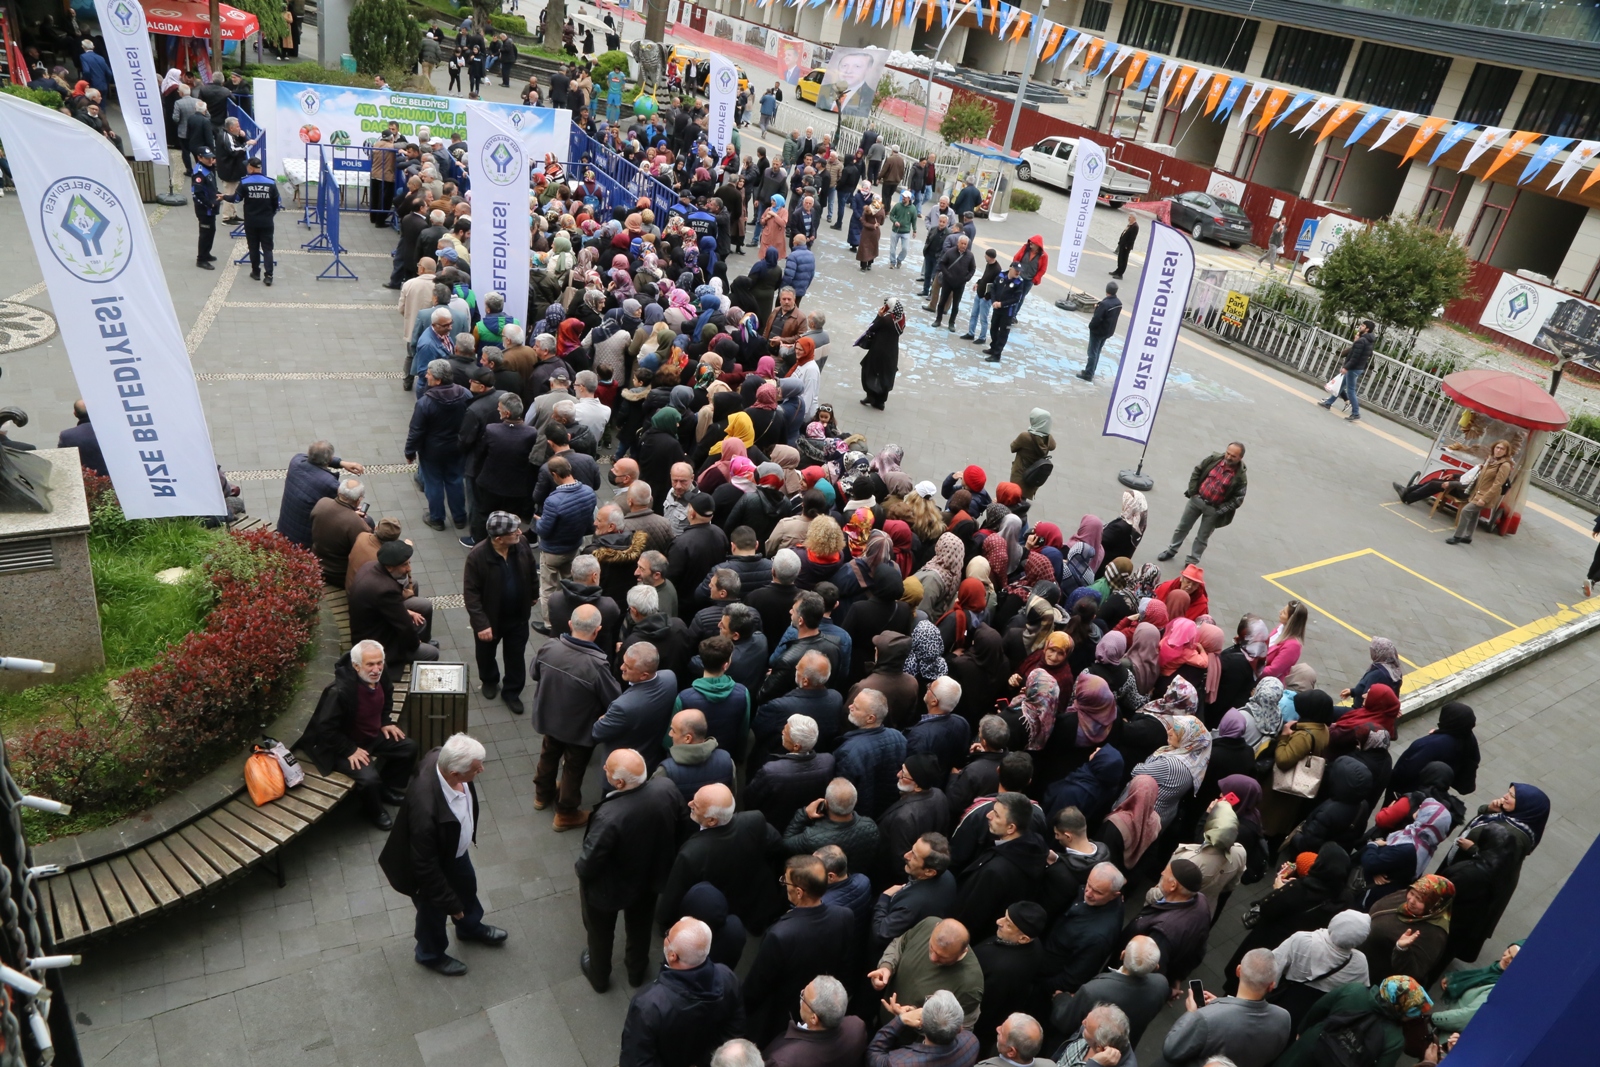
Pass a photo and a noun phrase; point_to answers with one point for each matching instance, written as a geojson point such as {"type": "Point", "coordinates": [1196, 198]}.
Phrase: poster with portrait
{"type": "Point", "coordinates": [852, 79]}
{"type": "Point", "coordinates": [793, 56]}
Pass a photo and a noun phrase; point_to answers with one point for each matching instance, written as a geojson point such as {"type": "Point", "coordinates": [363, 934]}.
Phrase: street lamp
{"type": "Point", "coordinates": [1022, 82]}
{"type": "Point", "coordinates": [933, 61]}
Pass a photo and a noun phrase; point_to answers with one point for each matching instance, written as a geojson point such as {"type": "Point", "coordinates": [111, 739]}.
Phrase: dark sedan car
{"type": "Point", "coordinates": [1204, 216]}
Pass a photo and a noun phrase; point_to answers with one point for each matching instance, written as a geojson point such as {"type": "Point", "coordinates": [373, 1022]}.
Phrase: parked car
{"type": "Point", "coordinates": [809, 88]}
{"type": "Point", "coordinates": [1205, 216]}
{"type": "Point", "coordinates": [1050, 162]}
{"type": "Point", "coordinates": [682, 55]}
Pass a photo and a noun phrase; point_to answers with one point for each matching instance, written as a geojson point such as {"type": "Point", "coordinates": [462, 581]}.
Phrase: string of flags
{"type": "Point", "coordinates": [1182, 85]}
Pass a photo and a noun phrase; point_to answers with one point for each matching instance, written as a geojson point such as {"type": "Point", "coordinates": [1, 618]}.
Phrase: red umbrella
{"type": "Point", "coordinates": [1507, 397]}
{"type": "Point", "coordinates": [192, 18]}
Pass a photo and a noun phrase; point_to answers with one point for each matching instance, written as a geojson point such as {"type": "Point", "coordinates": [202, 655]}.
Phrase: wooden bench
{"type": "Point", "coordinates": [108, 894]}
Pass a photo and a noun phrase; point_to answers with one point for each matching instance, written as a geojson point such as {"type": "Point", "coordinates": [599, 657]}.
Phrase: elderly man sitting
{"type": "Point", "coordinates": [354, 731]}
{"type": "Point", "coordinates": [336, 522]}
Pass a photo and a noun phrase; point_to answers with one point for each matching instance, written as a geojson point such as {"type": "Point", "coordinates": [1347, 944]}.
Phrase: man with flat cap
{"type": "Point", "coordinates": [501, 579]}
{"type": "Point", "coordinates": [380, 610]}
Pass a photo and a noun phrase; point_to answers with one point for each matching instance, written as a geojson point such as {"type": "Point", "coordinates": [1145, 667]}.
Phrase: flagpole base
{"type": "Point", "coordinates": [171, 200]}
{"type": "Point", "coordinates": [1135, 479]}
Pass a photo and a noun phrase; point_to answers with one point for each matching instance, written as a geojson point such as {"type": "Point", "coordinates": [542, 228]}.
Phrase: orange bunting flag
{"type": "Point", "coordinates": [1335, 120]}
{"type": "Point", "coordinates": [1180, 83]}
{"type": "Point", "coordinates": [1052, 41]}
{"type": "Point", "coordinates": [1519, 140]}
{"type": "Point", "coordinates": [1135, 65]}
{"type": "Point", "coordinates": [994, 16]}
{"type": "Point", "coordinates": [1095, 47]}
{"type": "Point", "coordinates": [1594, 176]}
{"type": "Point", "coordinates": [1021, 27]}
{"type": "Point", "coordinates": [1219, 85]}
{"type": "Point", "coordinates": [1425, 132]}
{"type": "Point", "coordinates": [1275, 101]}
{"type": "Point", "coordinates": [896, 12]}
{"type": "Point", "coordinates": [927, 14]}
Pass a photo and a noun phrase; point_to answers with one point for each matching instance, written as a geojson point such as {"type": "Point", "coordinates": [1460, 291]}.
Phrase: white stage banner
{"type": "Point", "coordinates": [110, 297]}
{"type": "Point", "coordinates": [1088, 169]}
{"type": "Point", "coordinates": [1153, 330]}
{"type": "Point", "coordinates": [138, 82]}
{"type": "Point", "coordinates": [722, 91]}
{"type": "Point", "coordinates": [500, 222]}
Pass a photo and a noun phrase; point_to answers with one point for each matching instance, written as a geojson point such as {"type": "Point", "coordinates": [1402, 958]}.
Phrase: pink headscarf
{"type": "Point", "coordinates": [1089, 532]}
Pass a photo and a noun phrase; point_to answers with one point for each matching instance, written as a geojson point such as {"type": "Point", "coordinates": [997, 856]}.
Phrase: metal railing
{"type": "Point", "coordinates": [619, 177]}
{"type": "Point", "coordinates": [1569, 464]}
{"type": "Point", "coordinates": [797, 115]}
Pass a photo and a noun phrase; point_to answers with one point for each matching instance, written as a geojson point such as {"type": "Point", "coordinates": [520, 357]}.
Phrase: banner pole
{"type": "Point", "coordinates": [1136, 478]}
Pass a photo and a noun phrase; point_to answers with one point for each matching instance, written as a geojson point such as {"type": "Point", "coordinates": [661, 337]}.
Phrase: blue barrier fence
{"type": "Point", "coordinates": [617, 175]}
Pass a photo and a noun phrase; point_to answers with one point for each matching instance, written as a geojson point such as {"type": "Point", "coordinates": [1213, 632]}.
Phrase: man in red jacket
{"type": "Point", "coordinates": [1034, 262]}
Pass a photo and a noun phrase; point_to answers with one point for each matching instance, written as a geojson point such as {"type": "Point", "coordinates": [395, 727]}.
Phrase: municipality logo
{"type": "Point", "coordinates": [725, 78]}
{"type": "Point", "coordinates": [517, 119]}
{"type": "Point", "coordinates": [125, 17]}
{"type": "Point", "coordinates": [1134, 412]}
{"type": "Point", "coordinates": [309, 100]}
{"type": "Point", "coordinates": [1517, 308]}
{"type": "Point", "coordinates": [1092, 165]}
{"type": "Point", "coordinates": [502, 160]}
{"type": "Point", "coordinates": [87, 228]}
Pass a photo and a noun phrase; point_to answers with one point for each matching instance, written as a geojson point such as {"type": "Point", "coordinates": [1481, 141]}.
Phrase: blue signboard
{"type": "Point", "coordinates": [1308, 230]}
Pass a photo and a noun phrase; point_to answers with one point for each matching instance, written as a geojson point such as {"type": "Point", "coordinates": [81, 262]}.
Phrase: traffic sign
{"type": "Point", "coordinates": [1308, 230]}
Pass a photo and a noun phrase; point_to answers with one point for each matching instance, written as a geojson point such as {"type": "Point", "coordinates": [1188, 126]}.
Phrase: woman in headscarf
{"type": "Point", "coordinates": [1077, 567]}
{"type": "Point", "coordinates": [1312, 963]}
{"type": "Point", "coordinates": [926, 661]}
{"type": "Point", "coordinates": [1308, 736]}
{"type": "Point", "coordinates": [963, 617]}
{"type": "Point", "coordinates": [1114, 580]}
{"type": "Point", "coordinates": [720, 472]}
{"type": "Point", "coordinates": [705, 902]}
{"type": "Point", "coordinates": [1178, 605]}
{"type": "Point", "coordinates": [1218, 854]}
{"type": "Point", "coordinates": [978, 567]}
{"type": "Point", "coordinates": [1263, 718]}
{"type": "Point", "coordinates": [1029, 447]}
{"type": "Point", "coordinates": [1462, 993]}
{"type": "Point", "coordinates": [1144, 657]}
{"type": "Point", "coordinates": [766, 279]}
{"type": "Point", "coordinates": [1433, 782]}
{"type": "Point", "coordinates": [1451, 742]}
{"type": "Point", "coordinates": [658, 450]}
{"type": "Point", "coordinates": [1405, 854]}
{"type": "Point", "coordinates": [774, 224]}
{"type": "Point", "coordinates": [1090, 532]}
{"type": "Point", "coordinates": [1122, 534]}
{"type": "Point", "coordinates": [1095, 707]}
{"type": "Point", "coordinates": [1246, 794]}
{"type": "Point", "coordinates": [1231, 755]}
{"type": "Point", "coordinates": [856, 531]}
{"type": "Point", "coordinates": [771, 428]}
{"type": "Point", "coordinates": [882, 360]}
{"type": "Point", "coordinates": [1524, 808]}
{"type": "Point", "coordinates": [900, 537]}
{"type": "Point", "coordinates": [1210, 640]}
{"type": "Point", "coordinates": [1380, 709]}
{"type": "Point", "coordinates": [1110, 652]}
{"type": "Point", "coordinates": [1385, 670]}
{"type": "Point", "coordinates": [1181, 656]}
{"type": "Point", "coordinates": [1134, 823]}
{"type": "Point", "coordinates": [1396, 1006]}
{"type": "Point", "coordinates": [941, 575]}
{"type": "Point", "coordinates": [568, 336]}
{"type": "Point", "coordinates": [1485, 878]}
{"type": "Point", "coordinates": [1032, 713]}
{"type": "Point", "coordinates": [870, 223]}
{"type": "Point", "coordinates": [1411, 930]}
{"type": "Point", "coordinates": [1303, 897]}
{"type": "Point", "coordinates": [1179, 767]}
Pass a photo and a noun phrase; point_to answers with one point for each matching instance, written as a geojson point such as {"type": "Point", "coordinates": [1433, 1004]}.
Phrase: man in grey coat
{"type": "Point", "coordinates": [574, 686]}
{"type": "Point", "coordinates": [1244, 1028]}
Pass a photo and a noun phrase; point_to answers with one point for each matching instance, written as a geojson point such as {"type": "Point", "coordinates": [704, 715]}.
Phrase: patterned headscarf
{"type": "Point", "coordinates": [1096, 707]}
{"type": "Point", "coordinates": [1037, 705]}
{"type": "Point", "coordinates": [1401, 997]}
{"type": "Point", "coordinates": [1145, 580]}
{"type": "Point", "coordinates": [1428, 827]}
{"type": "Point", "coordinates": [1387, 656]}
{"type": "Point", "coordinates": [1438, 894]}
{"type": "Point", "coordinates": [1263, 708]}
{"type": "Point", "coordinates": [926, 660]}
{"type": "Point", "coordinates": [1181, 699]}
{"type": "Point", "coordinates": [1192, 746]}
{"type": "Point", "coordinates": [948, 556]}
{"type": "Point", "coordinates": [857, 530]}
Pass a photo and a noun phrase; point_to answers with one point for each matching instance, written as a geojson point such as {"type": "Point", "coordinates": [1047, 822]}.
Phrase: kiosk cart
{"type": "Point", "coordinates": [994, 172]}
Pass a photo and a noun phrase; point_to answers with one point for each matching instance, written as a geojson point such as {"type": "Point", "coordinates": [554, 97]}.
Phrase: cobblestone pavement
{"type": "Point", "coordinates": [320, 972]}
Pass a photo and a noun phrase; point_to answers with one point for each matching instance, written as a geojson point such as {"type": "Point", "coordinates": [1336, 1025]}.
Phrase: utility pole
{"type": "Point", "coordinates": [216, 36]}
{"type": "Point", "coordinates": [1022, 82]}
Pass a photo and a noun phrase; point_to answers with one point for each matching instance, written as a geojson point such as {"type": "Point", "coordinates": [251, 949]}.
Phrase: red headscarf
{"type": "Point", "coordinates": [1049, 534]}
{"type": "Point", "coordinates": [568, 335]}
{"type": "Point", "coordinates": [970, 596]}
{"type": "Point", "coordinates": [900, 536]}
{"type": "Point", "coordinates": [1380, 707]}
{"type": "Point", "coordinates": [805, 350]}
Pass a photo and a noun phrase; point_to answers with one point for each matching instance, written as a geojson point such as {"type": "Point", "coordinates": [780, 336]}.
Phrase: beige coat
{"type": "Point", "coordinates": [1490, 481]}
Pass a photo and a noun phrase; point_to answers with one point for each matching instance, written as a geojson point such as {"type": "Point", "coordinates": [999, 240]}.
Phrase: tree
{"type": "Point", "coordinates": [269, 14]}
{"type": "Point", "coordinates": [888, 89]}
{"type": "Point", "coordinates": [1397, 272]}
{"type": "Point", "coordinates": [384, 37]}
{"type": "Point", "coordinates": [967, 118]}
{"type": "Point", "coordinates": [555, 17]}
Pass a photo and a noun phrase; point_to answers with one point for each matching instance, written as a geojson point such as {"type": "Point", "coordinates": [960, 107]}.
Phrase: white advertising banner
{"type": "Point", "coordinates": [1546, 318]}
{"type": "Point", "coordinates": [722, 91]}
{"type": "Point", "coordinates": [1088, 169]}
{"type": "Point", "coordinates": [138, 81]}
{"type": "Point", "coordinates": [1331, 231]}
{"type": "Point", "coordinates": [499, 170]}
{"type": "Point", "coordinates": [93, 244]}
{"type": "Point", "coordinates": [1153, 330]}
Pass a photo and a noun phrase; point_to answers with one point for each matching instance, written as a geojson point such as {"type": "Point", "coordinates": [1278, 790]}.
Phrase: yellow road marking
{"type": "Point", "coordinates": [1520, 635]}
{"type": "Point", "coordinates": [1562, 519]}
{"type": "Point", "coordinates": [1318, 608]}
{"type": "Point", "coordinates": [1442, 588]}
{"type": "Point", "coordinates": [1395, 505]}
{"type": "Point", "coordinates": [1319, 563]}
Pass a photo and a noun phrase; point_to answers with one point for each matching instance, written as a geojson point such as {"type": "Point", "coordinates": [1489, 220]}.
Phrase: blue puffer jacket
{"type": "Point", "coordinates": [567, 518]}
{"type": "Point", "coordinates": [305, 485]}
{"type": "Point", "coordinates": [435, 433]}
{"type": "Point", "coordinates": [800, 268]}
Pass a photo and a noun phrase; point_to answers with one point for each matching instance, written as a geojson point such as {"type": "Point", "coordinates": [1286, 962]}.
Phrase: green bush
{"type": "Point", "coordinates": [605, 63]}
{"type": "Point", "coordinates": [269, 14]}
{"type": "Point", "coordinates": [46, 97]}
{"type": "Point", "coordinates": [967, 118]}
{"type": "Point", "coordinates": [510, 24]}
{"type": "Point", "coordinates": [1023, 200]}
{"type": "Point", "coordinates": [311, 73]}
{"type": "Point", "coordinates": [1585, 425]}
{"type": "Point", "coordinates": [383, 35]}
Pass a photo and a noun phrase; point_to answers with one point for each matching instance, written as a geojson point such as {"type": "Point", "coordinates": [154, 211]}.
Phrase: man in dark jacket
{"type": "Point", "coordinates": [929, 889]}
{"type": "Point", "coordinates": [381, 610]}
{"type": "Point", "coordinates": [871, 754]}
{"type": "Point", "coordinates": [921, 808]}
{"type": "Point", "coordinates": [956, 268]}
{"type": "Point", "coordinates": [785, 785]}
{"type": "Point", "coordinates": [499, 584]}
{"type": "Point", "coordinates": [83, 439]}
{"type": "Point", "coordinates": [1008, 871]}
{"type": "Point", "coordinates": [978, 320]}
{"type": "Point", "coordinates": [1177, 918]}
{"type": "Point", "coordinates": [1356, 359]}
{"type": "Point", "coordinates": [1216, 492]}
{"type": "Point", "coordinates": [1010, 959]}
{"type": "Point", "coordinates": [1102, 324]}
{"type": "Point", "coordinates": [981, 776]}
{"type": "Point", "coordinates": [354, 731]}
{"type": "Point", "coordinates": [811, 938]}
{"type": "Point", "coordinates": [1082, 937]}
{"type": "Point", "coordinates": [641, 716]}
{"type": "Point", "coordinates": [567, 515]}
{"type": "Point", "coordinates": [508, 58]}
{"type": "Point", "coordinates": [428, 854]}
{"type": "Point", "coordinates": [1135, 987]}
{"type": "Point", "coordinates": [942, 733]}
{"type": "Point", "coordinates": [310, 478]}
{"type": "Point", "coordinates": [833, 820]}
{"type": "Point", "coordinates": [734, 852]}
{"type": "Point", "coordinates": [203, 189]}
{"type": "Point", "coordinates": [825, 1036]}
{"type": "Point", "coordinates": [932, 249]}
{"type": "Point", "coordinates": [1007, 291]}
{"type": "Point", "coordinates": [574, 685]}
{"type": "Point", "coordinates": [502, 480]}
{"type": "Point", "coordinates": [692, 1007]}
{"type": "Point", "coordinates": [336, 522]}
{"type": "Point", "coordinates": [810, 697]}
{"type": "Point", "coordinates": [434, 442]}
{"type": "Point", "coordinates": [695, 551]}
{"type": "Point", "coordinates": [1125, 240]}
{"type": "Point", "coordinates": [646, 622]}
{"type": "Point", "coordinates": [774, 601]}
{"type": "Point", "coordinates": [406, 251]}
{"type": "Point", "coordinates": [627, 854]}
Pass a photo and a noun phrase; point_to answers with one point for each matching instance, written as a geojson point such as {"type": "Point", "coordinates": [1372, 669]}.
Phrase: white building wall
{"type": "Point", "coordinates": [1584, 255]}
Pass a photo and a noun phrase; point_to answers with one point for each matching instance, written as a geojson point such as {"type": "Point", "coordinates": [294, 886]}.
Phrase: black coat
{"type": "Point", "coordinates": [658, 451]}
{"type": "Point", "coordinates": [483, 585]}
{"type": "Point", "coordinates": [83, 439]}
{"type": "Point", "coordinates": [378, 612]}
{"type": "Point", "coordinates": [501, 460]}
{"type": "Point", "coordinates": [1080, 941]}
{"type": "Point", "coordinates": [426, 834]}
{"type": "Point", "coordinates": [738, 859]}
{"type": "Point", "coordinates": [1012, 981]}
{"type": "Point", "coordinates": [681, 1018]}
{"type": "Point", "coordinates": [1484, 885]}
{"type": "Point", "coordinates": [327, 737]}
{"type": "Point", "coordinates": [893, 916]}
{"type": "Point", "coordinates": [901, 823]}
{"type": "Point", "coordinates": [882, 360]}
{"type": "Point", "coordinates": [630, 845]}
{"type": "Point", "coordinates": [786, 784]}
{"type": "Point", "coordinates": [1008, 872]}
{"type": "Point", "coordinates": [802, 944]}
{"type": "Point", "coordinates": [979, 778]}
{"type": "Point", "coordinates": [694, 552]}
{"type": "Point", "coordinates": [1103, 323]}
{"type": "Point", "coordinates": [773, 603]}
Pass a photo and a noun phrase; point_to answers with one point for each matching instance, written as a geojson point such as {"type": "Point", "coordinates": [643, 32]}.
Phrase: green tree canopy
{"type": "Point", "coordinates": [1397, 272]}
{"type": "Point", "coordinates": [967, 118]}
{"type": "Point", "coordinates": [384, 37]}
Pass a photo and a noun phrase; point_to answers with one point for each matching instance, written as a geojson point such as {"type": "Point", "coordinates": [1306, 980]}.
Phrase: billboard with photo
{"type": "Point", "coordinates": [852, 79]}
{"type": "Point", "coordinates": [1546, 318]}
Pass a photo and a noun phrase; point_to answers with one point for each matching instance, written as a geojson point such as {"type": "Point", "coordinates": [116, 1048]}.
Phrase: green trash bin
{"type": "Point", "coordinates": [347, 63]}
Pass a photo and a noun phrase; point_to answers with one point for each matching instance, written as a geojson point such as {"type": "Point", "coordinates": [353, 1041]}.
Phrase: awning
{"type": "Point", "coordinates": [1508, 397]}
{"type": "Point", "coordinates": [192, 18]}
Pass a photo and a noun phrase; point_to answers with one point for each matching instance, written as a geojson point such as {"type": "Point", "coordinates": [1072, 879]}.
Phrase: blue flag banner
{"type": "Point", "coordinates": [1448, 141]}
{"type": "Point", "coordinates": [1151, 67]}
{"type": "Point", "coordinates": [1552, 147]}
{"type": "Point", "coordinates": [1299, 101]}
{"type": "Point", "coordinates": [255, 137]}
{"type": "Point", "coordinates": [1229, 98]}
{"type": "Point", "coordinates": [1369, 120]}
{"type": "Point", "coordinates": [1106, 55]}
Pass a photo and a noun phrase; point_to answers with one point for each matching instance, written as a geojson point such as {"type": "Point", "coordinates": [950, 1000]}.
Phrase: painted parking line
{"type": "Point", "coordinates": [1393, 507]}
{"type": "Point", "coordinates": [1520, 635]}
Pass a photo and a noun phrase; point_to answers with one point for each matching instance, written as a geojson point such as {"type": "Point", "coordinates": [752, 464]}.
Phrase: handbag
{"type": "Point", "coordinates": [1301, 780]}
{"type": "Point", "coordinates": [293, 773]}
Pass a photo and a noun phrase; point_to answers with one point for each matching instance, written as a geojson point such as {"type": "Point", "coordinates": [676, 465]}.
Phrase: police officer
{"type": "Point", "coordinates": [260, 196]}
{"type": "Point", "coordinates": [1007, 292]}
{"type": "Point", "coordinates": [204, 190]}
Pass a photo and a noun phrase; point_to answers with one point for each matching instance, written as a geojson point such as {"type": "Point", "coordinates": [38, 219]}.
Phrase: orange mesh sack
{"type": "Point", "coordinates": [263, 777]}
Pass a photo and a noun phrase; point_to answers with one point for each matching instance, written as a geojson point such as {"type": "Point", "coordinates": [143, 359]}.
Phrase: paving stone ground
{"type": "Point", "coordinates": [320, 972]}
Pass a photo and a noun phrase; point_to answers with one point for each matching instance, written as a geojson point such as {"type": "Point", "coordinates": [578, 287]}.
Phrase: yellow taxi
{"type": "Point", "coordinates": [809, 88]}
{"type": "Point", "coordinates": [682, 55]}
